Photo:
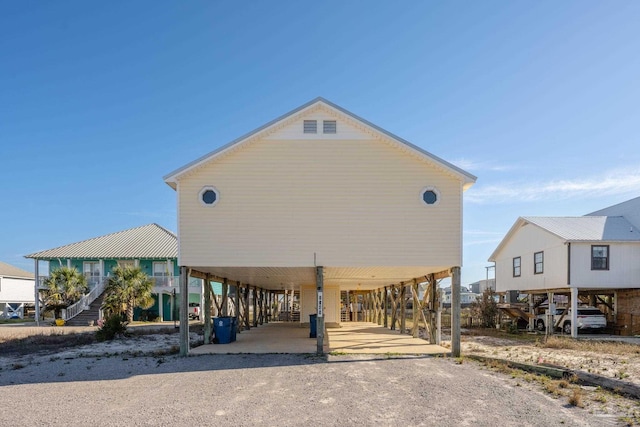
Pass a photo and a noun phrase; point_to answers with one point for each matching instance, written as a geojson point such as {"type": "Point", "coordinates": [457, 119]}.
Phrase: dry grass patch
{"type": "Point", "coordinates": [601, 347]}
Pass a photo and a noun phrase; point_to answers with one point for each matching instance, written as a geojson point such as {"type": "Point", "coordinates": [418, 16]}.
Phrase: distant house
{"type": "Point", "coordinates": [16, 291]}
{"type": "Point", "coordinates": [151, 247]}
{"type": "Point", "coordinates": [593, 258]}
{"type": "Point", "coordinates": [482, 285]}
{"type": "Point", "coordinates": [467, 297]}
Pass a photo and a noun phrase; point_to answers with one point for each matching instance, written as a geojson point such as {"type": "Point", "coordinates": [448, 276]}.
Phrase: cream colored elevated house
{"type": "Point", "coordinates": [320, 201]}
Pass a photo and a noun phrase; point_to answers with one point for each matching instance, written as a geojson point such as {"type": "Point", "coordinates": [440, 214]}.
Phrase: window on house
{"type": "Point", "coordinates": [91, 268]}
{"type": "Point", "coordinates": [161, 275]}
{"type": "Point", "coordinates": [310, 126]}
{"type": "Point", "coordinates": [516, 267]}
{"type": "Point", "coordinates": [91, 271]}
{"type": "Point", "coordinates": [209, 196]}
{"type": "Point", "coordinates": [329, 126]}
{"type": "Point", "coordinates": [160, 269]}
{"type": "Point", "coordinates": [430, 196]}
{"type": "Point", "coordinates": [600, 257]}
{"type": "Point", "coordinates": [538, 263]}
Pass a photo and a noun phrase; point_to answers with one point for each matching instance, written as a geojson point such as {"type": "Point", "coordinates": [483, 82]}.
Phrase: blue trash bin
{"type": "Point", "coordinates": [313, 325]}
{"type": "Point", "coordinates": [222, 329]}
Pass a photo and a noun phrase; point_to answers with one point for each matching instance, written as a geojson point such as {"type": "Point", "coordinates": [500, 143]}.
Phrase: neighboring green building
{"type": "Point", "coordinates": [151, 247]}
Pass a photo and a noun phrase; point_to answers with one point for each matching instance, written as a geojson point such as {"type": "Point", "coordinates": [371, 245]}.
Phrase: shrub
{"type": "Point", "coordinates": [112, 327]}
{"type": "Point", "coordinates": [486, 309]}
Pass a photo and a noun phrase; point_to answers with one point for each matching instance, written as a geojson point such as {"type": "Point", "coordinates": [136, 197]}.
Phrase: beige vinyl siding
{"type": "Point", "coordinates": [353, 202]}
{"type": "Point", "coordinates": [526, 241]}
{"type": "Point", "coordinates": [624, 268]}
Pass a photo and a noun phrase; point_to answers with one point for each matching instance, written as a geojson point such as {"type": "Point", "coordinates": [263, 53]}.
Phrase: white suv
{"type": "Point", "coordinates": [588, 318]}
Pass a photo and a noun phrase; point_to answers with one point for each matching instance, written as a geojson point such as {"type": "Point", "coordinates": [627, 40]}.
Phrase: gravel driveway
{"type": "Point", "coordinates": [275, 390]}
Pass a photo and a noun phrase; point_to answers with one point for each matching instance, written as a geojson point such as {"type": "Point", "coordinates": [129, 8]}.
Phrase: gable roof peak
{"type": "Point", "coordinates": [466, 178]}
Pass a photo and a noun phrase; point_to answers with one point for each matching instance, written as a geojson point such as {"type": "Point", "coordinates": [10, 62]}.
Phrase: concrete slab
{"type": "Point", "coordinates": [274, 337]}
{"type": "Point", "coordinates": [370, 338]}
{"type": "Point", "coordinates": [351, 338]}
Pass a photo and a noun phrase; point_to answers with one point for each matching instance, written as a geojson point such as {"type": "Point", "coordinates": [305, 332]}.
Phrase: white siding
{"type": "Point", "coordinates": [16, 290]}
{"type": "Point", "coordinates": [352, 202]}
{"type": "Point", "coordinates": [526, 241]}
{"type": "Point", "coordinates": [624, 266]}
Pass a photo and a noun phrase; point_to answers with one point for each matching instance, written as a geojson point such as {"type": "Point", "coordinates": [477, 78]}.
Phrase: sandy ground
{"type": "Point", "coordinates": [619, 366]}
{"type": "Point", "coordinates": [283, 390]}
{"type": "Point", "coordinates": [135, 381]}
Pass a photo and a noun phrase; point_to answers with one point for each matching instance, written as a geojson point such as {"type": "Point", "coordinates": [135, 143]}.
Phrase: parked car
{"type": "Point", "coordinates": [194, 310]}
{"type": "Point", "coordinates": [589, 318]}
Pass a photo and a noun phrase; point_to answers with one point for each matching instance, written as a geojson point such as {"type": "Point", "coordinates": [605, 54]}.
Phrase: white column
{"type": "Point", "coordinates": [574, 312]}
{"type": "Point", "coordinates": [160, 311]}
{"type": "Point", "coordinates": [532, 319]}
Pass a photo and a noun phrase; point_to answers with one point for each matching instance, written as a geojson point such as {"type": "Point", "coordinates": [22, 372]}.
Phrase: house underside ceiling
{"type": "Point", "coordinates": [348, 278]}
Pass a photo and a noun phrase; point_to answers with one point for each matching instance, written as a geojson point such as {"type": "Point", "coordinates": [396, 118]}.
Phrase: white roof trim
{"type": "Point", "coordinates": [467, 178]}
{"type": "Point", "coordinates": [567, 235]}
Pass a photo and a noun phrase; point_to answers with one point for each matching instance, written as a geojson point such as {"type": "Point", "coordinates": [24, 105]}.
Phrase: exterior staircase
{"type": "Point", "coordinates": [86, 316]}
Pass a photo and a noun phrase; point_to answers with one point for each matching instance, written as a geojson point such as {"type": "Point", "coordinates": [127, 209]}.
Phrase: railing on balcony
{"type": "Point", "coordinates": [164, 282]}
{"type": "Point", "coordinates": [97, 287]}
{"type": "Point", "coordinates": [169, 282]}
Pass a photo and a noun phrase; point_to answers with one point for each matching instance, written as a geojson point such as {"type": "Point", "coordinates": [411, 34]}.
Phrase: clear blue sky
{"type": "Point", "coordinates": [99, 100]}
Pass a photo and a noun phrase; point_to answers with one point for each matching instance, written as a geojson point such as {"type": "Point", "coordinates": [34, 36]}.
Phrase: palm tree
{"type": "Point", "coordinates": [127, 288]}
{"type": "Point", "coordinates": [65, 286]}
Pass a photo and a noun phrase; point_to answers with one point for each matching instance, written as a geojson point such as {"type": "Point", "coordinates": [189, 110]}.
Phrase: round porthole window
{"type": "Point", "coordinates": [430, 196]}
{"type": "Point", "coordinates": [209, 196]}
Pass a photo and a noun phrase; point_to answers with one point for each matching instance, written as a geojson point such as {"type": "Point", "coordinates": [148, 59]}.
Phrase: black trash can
{"type": "Point", "coordinates": [313, 325]}
{"type": "Point", "coordinates": [222, 329]}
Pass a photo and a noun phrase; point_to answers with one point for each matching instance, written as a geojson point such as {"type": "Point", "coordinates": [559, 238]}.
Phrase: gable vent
{"type": "Point", "coordinates": [329, 126]}
{"type": "Point", "coordinates": [310, 126]}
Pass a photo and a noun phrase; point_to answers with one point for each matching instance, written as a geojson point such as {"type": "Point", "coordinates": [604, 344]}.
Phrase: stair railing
{"type": "Point", "coordinates": [86, 300]}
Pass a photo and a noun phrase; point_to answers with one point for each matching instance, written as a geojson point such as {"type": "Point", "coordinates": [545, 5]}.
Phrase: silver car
{"type": "Point", "coordinates": [589, 318]}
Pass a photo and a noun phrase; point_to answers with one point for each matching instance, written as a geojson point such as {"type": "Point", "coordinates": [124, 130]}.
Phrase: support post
{"type": "Point", "coordinates": [246, 307]}
{"type": "Point", "coordinates": [255, 306]}
{"type": "Point", "coordinates": [184, 311]}
{"type": "Point", "coordinates": [532, 318]}
{"type": "Point", "coordinates": [236, 297]}
{"type": "Point", "coordinates": [207, 309]}
{"type": "Point", "coordinates": [549, 317]}
{"type": "Point", "coordinates": [574, 312]}
{"type": "Point", "coordinates": [403, 308]}
{"type": "Point", "coordinates": [225, 297]}
{"type": "Point", "coordinates": [385, 304]}
{"type": "Point", "coordinates": [320, 310]}
{"type": "Point", "coordinates": [37, 291]}
{"type": "Point", "coordinates": [415, 309]}
{"type": "Point", "coordinates": [394, 307]}
{"type": "Point", "coordinates": [455, 311]}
